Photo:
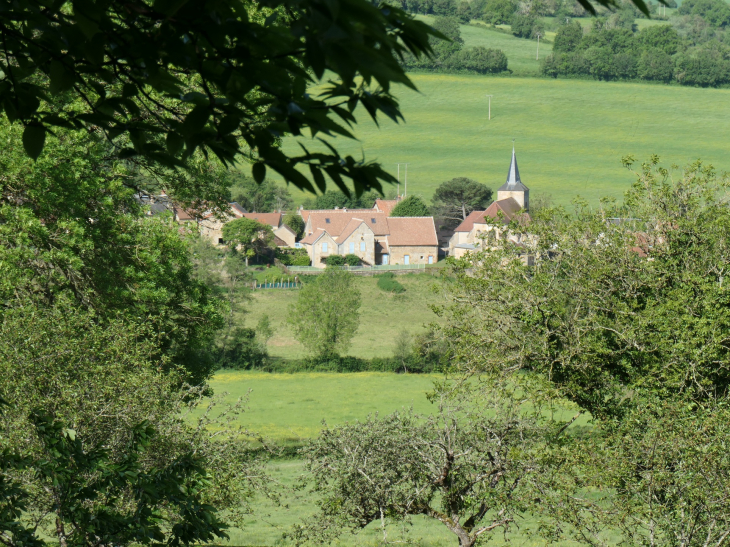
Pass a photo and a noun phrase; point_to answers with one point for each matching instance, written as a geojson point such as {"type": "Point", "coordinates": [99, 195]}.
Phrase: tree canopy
{"type": "Point", "coordinates": [248, 236]}
{"type": "Point", "coordinates": [326, 314]}
{"type": "Point", "coordinates": [161, 82]}
{"type": "Point", "coordinates": [412, 206]}
{"type": "Point", "coordinates": [454, 199]}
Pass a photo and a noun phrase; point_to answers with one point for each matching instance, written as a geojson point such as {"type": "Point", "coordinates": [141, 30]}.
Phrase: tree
{"type": "Point", "coordinates": [568, 37]}
{"type": "Point", "coordinates": [479, 59]}
{"type": "Point", "coordinates": [152, 83]}
{"type": "Point", "coordinates": [655, 65]}
{"type": "Point", "coordinates": [599, 315]}
{"type": "Point", "coordinates": [249, 236]}
{"type": "Point", "coordinates": [499, 12]}
{"type": "Point", "coordinates": [412, 206]}
{"type": "Point", "coordinates": [523, 26]}
{"type": "Point", "coordinates": [663, 37]}
{"type": "Point", "coordinates": [264, 197]}
{"type": "Point", "coordinates": [715, 12]}
{"type": "Point", "coordinates": [472, 466]}
{"type": "Point", "coordinates": [454, 199]}
{"type": "Point", "coordinates": [295, 222]}
{"type": "Point", "coordinates": [333, 199]}
{"type": "Point", "coordinates": [326, 314]}
{"type": "Point", "coordinates": [75, 229]}
{"type": "Point", "coordinates": [448, 27]}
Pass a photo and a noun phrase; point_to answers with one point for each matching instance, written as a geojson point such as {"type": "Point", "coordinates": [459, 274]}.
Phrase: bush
{"type": "Point", "coordinates": [388, 283]}
{"type": "Point", "coordinates": [499, 12]}
{"type": "Point", "coordinates": [335, 260]}
{"type": "Point", "coordinates": [295, 222]}
{"type": "Point", "coordinates": [481, 60]}
{"type": "Point", "coordinates": [292, 257]}
{"type": "Point", "coordinates": [302, 260]}
{"type": "Point", "coordinates": [352, 260]}
{"type": "Point", "coordinates": [704, 68]}
{"type": "Point", "coordinates": [656, 65]}
{"type": "Point", "coordinates": [241, 349]}
{"type": "Point", "coordinates": [523, 25]}
{"type": "Point", "coordinates": [568, 37]}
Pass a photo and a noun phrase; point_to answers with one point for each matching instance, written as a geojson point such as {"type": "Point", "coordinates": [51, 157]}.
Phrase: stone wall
{"type": "Point", "coordinates": [418, 254]}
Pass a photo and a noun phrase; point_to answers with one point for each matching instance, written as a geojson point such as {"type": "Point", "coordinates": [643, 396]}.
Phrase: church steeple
{"type": "Point", "coordinates": [514, 188]}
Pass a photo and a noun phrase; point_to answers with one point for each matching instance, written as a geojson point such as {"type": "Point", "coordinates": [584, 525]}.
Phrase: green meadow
{"type": "Point", "coordinates": [382, 315]}
{"type": "Point", "coordinates": [570, 135]}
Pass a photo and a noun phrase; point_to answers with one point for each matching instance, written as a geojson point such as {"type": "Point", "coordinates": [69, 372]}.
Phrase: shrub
{"type": "Point", "coordinates": [241, 349]}
{"type": "Point", "coordinates": [522, 25]}
{"type": "Point", "coordinates": [388, 283]}
{"type": "Point", "coordinates": [480, 59]}
{"type": "Point", "coordinates": [295, 222]}
{"type": "Point", "coordinates": [335, 260]}
{"type": "Point", "coordinates": [292, 257]}
{"type": "Point", "coordinates": [302, 260]}
{"type": "Point", "coordinates": [352, 260]}
{"type": "Point", "coordinates": [499, 12]}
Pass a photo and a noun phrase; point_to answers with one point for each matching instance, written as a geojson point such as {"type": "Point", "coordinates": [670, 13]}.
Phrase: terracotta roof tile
{"type": "Point", "coordinates": [412, 231]}
{"type": "Point", "coordinates": [272, 219]}
{"type": "Point", "coordinates": [468, 223]}
{"type": "Point", "coordinates": [385, 205]}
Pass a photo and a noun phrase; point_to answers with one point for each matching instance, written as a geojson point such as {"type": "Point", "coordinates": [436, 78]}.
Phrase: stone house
{"type": "Point", "coordinates": [479, 227]}
{"type": "Point", "coordinates": [211, 226]}
{"type": "Point", "coordinates": [373, 236]}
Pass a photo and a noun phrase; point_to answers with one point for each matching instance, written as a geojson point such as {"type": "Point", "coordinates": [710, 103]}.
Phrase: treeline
{"type": "Point", "coordinates": [693, 50]}
{"type": "Point", "coordinates": [452, 56]}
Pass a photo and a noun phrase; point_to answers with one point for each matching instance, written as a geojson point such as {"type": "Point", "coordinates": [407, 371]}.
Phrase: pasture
{"type": "Point", "coordinates": [290, 408]}
{"type": "Point", "coordinates": [570, 135]}
{"type": "Point", "coordinates": [382, 315]}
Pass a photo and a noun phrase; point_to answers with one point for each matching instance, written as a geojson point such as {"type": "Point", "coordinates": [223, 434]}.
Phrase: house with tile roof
{"type": "Point", "coordinates": [513, 201]}
{"type": "Point", "coordinates": [373, 236]}
{"type": "Point", "coordinates": [211, 226]}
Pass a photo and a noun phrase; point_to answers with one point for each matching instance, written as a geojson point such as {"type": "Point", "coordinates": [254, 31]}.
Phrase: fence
{"type": "Point", "coordinates": [280, 284]}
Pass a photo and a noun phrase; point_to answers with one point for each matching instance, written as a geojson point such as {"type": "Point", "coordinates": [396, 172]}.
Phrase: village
{"type": "Point", "coordinates": [374, 236]}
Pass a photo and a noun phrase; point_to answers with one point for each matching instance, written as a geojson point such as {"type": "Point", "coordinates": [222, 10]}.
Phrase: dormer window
{"type": "Point", "coordinates": [326, 221]}
{"type": "Point", "coordinates": [373, 220]}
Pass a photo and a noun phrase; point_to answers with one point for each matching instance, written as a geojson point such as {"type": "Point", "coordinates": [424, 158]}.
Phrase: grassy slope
{"type": "Point", "coordinates": [571, 134]}
{"type": "Point", "coordinates": [382, 316]}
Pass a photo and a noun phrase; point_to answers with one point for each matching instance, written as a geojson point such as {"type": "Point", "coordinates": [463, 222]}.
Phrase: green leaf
{"type": "Point", "coordinates": [168, 7]}
{"type": "Point", "coordinates": [259, 172]}
{"type": "Point", "coordinates": [175, 143]}
{"type": "Point", "coordinates": [34, 138]}
{"type": "Point", "coordinates": [61, 78]}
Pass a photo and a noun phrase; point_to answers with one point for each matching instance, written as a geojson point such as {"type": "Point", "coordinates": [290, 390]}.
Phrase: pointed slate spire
{"type": "Point", "coordinates": [513, 177]}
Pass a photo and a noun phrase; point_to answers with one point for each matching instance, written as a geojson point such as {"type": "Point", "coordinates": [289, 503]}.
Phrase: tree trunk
{"type": "Point", "coordinates": [247, 261]}
{"type": "Point", "coordinates": [60, 532]}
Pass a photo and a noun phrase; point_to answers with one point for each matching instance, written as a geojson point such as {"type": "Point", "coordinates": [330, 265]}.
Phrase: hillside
{"type": "Point", "coordinates": [570, 134]}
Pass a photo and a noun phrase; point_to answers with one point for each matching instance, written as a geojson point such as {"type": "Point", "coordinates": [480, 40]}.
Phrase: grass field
{"type": "Point", "coordinates": [288, 408]}
{"type": "Point", "coordinates": [570, 134]}
{"type": "Point", "coordinates": [382, 315]}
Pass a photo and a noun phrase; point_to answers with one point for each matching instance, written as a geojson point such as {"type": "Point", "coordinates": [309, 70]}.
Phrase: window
{"type": "Point", "coordinates": [221, 241]}
{"type": "Point", "coordinates": [324, 247]}
{"type": "Point", "coordinates": [362, 246]}
{"type": "Point", "coordinates": [385, 260]}
{"type": "Point", "coordinates": [352, 247]}
{"type": "Point", "coordinates": [373, 220]}
{"type": "Point", "coordinates": [421, 257]}
{"type": "Point", "coordinates": [297, 245]}
{"type": "Point", "coordinates": [406, 259]}
{"type": "Point", "coordinates": [430, 260]}
{"type": "Point", "coordinates": [326, 221]}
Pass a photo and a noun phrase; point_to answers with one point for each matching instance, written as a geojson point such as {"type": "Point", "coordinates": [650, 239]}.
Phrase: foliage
{"type": "Point", "coordinates": [454, 199]}
{"type": "Point", "coordinates": [352, 260]}
{"type": "Point", "coordinates": [388, 283]}
{"type": "Point", "coordinates": [453, 57]}
{"type": "Point", "coordinates": [292, 257]}
{"type": "Point", "coordinates": [72, 228]}
{"type": "Point", "coordinates": [715, 12]}
{"type": "Point", "coordinates": [153, 83]}
{"type": "Point", "coordinates": [326, 314]}
{"type": "Point", "coordinates": [475, 466]}
{"type": "Point", "coordinates": [102, 381]}
{"type": "Point", "coordinates": [411, 206]}
{"type": "Point", "coordinates": [295, 222]}
{"type": "Point", "coordinates": [403, 348]}
{"type": "Point", "coordinates": [526, 26]}
{"type": "Point", "coordinates": [335, 260]}
{"type": "Point", "coordinates": [264, 197]}
{"type": "Point", "coordinates": [568, 37]}
{"type": "Point", "coordinates": [241, 348]}
{"type": "Point", "coordinates": [333, 199]}
{"type": "Point", "coordinates": [248, 236]}
{"type": "Point", "coordinates": [93, 493]}
{"type": "Point", "coordinates": [499, 12]}
{"type": "Point", "coordinates": [599, 316]}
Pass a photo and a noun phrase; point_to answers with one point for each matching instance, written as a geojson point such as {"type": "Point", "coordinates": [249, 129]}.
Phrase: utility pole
{"type": "Point", "coordinates": [405, 190]}
{"type": "Point", "coordinates": [537, 57]}
{"type": "Point", "coordinates": [490, 106]}
{"type": "Point", "coordinates": [397, 195]}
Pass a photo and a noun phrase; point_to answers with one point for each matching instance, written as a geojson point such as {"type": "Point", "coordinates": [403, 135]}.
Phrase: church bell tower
{"type": "Point", "coordinates": [514, 188]}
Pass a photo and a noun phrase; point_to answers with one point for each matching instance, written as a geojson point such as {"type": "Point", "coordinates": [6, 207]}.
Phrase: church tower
{"type": "Point", "coordinates": [514, 188]}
